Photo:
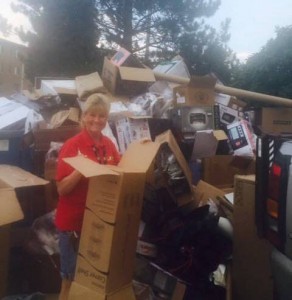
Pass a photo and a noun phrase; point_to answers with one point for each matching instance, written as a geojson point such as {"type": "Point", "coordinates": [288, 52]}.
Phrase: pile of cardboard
{"type": "Point", "coordinates": [157, 117]}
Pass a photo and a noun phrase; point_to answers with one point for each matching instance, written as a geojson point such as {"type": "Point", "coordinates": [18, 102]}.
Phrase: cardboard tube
{"type": "Point", "coordinates": [268, 99]}
{"type": "Point", "coordinates": [279, 101]}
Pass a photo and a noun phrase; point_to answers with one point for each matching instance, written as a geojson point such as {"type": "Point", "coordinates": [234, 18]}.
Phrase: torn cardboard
{"type": "Point", "coordinates": [65, 117]}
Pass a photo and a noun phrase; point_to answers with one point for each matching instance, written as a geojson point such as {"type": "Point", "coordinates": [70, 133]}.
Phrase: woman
{"type": "Point", "coordinates": [72, 185]}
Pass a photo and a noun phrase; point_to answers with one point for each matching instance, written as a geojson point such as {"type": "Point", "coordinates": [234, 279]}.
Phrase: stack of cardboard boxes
{"type": "Point", "coordinates": [199, 117]}
{"type": "Point", "coordinates": [106, 259]}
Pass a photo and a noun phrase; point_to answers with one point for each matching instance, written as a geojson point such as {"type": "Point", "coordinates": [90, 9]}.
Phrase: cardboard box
{"type": "Point", "coordinates": [43, 137]}
{"type": "Point", "coordinates": [190, 119]}
{"type": "Point", "coordinates": [65, 118]}
{"type": "Point", "coordinates": [12, 115]}
{"type": "Point", "coordinates": [114, 203]}
{"type": "Point", "coordinates": [241, 138]}
{"type": "Point", "coordinates": [114, 197]}
{"type": "Point", "coordinates": [11, 178]}
{"type": "Point", "coordinates": [176, 67]}
{"type": "Point", "coordinates": [131, 129]}
{"type": "Point", "coordinates": [251, 271]}
{"type": "Point", "coordinates": [206, 143]}
{"type": "Point", "coordinates": [199, 92]}
{"type": "Point", "coordinates": [55, 87]}
{"type": "Point", "coordinates": [126, 80]}
{"type": "Point", "coordinates": [149, 151]}
{"type": "Point", "coordinates": [276, 120]}
{"type": "Point", "coordinates": [89, 84]}
{"type": "Point", "coordinates": [228, 115]}
{"type": "Point", "coordinates": [230, 101]}
{"type": "Point", "coordinates": [78, 291]}
{"type": "Point", "coordinates": [220, 170]}
{"type": "Point", "coordinates": [205, 191]}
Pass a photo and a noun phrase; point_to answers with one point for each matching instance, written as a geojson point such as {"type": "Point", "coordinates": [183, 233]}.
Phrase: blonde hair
{"type": "Point", "coordinates": [98, 103]}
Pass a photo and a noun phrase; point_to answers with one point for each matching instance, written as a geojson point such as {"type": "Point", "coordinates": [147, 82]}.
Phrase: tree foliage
{"type": "Point", "coordinates": [270, 70]}
{"type": "Point", "coordinates": [65, 37]}
{"type": "Point", "coordinates": [67, 31]}
{"type": "Point", "coordinates": [159, 29]}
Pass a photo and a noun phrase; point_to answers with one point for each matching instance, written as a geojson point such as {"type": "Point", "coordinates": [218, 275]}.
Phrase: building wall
{"type": "Point", "coordinates": [11, 67]}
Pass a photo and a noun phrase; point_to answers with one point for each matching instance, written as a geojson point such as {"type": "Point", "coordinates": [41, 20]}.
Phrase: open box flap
{"type": "Point", "coordinates": [87, 167]}
{"type": "Point", "coordinates": [168, 137]}
{"type": "Point", "coordinates": [137, 74]}
{"type": "Point", "coordinates": [16, 177]}
{"type": "Point", "coordinates": [139, 155]}
{"type": "Point", "coordinates": [10, 210]}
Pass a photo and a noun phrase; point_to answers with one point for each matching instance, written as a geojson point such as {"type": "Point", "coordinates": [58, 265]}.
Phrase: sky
{"type": "Point", "coordinates": [253, 22]}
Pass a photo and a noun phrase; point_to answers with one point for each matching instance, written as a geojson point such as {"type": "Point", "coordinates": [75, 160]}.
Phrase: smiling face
{"type": "Point", "coordinates": [95, 115]}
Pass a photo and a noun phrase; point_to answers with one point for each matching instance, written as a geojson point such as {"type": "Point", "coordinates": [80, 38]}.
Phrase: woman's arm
{"type": "Point", "coordinates": [67, 184]}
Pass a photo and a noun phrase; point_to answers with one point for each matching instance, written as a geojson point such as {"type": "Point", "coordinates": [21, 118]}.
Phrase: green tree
{"type": "Point", "coordinates": [156, 30]}
{"type": "Point", "coordinates": [64, 39]}
{"type": "Point", "coordinates": [270, 70]}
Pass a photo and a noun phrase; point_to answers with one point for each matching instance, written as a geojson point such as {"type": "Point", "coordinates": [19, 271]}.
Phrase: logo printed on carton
{"type": "Point", "coordinates": [281, 122]}
{"type": "Point", "coordinates": [93, 275]}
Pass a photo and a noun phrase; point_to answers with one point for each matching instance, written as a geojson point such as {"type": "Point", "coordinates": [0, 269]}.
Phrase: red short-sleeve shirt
{"type": "Point", "coordinates": [70, 208]}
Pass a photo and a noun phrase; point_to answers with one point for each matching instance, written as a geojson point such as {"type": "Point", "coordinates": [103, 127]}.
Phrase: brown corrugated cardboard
{"type": "Point", "coordinates": [11, 177]}
{"type": "Point", "coordinates": [44, 136]}
{"type": "Point", "coordinates": [276, 120]}
{"type": "Point", "coordinates": [148, 151]}
{"type": "Point", "coordinates": [114, 203]}
{"type": "Point", "coordinates": [89, 84]}
{"type": "Point", "coordinates": [65, 117]}
{"type": "Point", "coordinates": [79, 291]}
{"type": "Point", "coordinates": [206, 142]}
{"type": "Point", "coordinates": [251, 272]}
{"type": "Point", "coordinates": [115, 199]}
{"type": "Point", "coordinates": [199, 92]}
{"type": "Point", "coordinates": [219, 170]}
{"type": "Point", "coordinates": [204, 192]}
{"type": "Point", "coordinates": [125, 80]}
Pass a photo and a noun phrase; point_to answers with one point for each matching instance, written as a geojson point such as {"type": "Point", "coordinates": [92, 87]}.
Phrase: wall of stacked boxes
{"type": "Point", "coordinates": [180, 205]}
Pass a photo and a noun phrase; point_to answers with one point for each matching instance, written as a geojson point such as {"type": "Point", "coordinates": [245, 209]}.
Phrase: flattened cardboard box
{"type": "Point", "coordinates": [78, 291]}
